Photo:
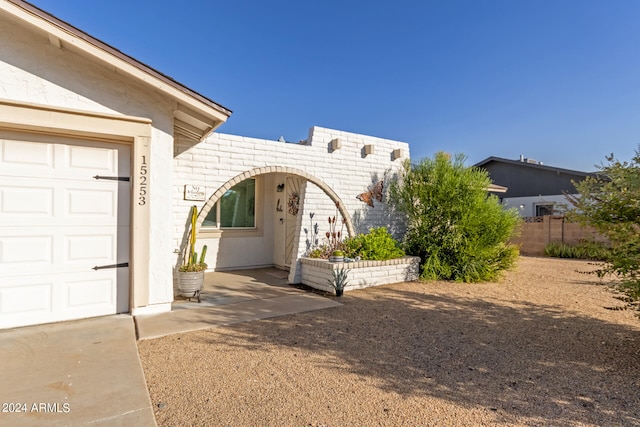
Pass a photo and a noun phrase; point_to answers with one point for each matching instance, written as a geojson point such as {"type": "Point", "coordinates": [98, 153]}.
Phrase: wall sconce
{"type": "Point", "coordinates": [336, 144]}
{"type": "Point", "coordinates": [397, 153]}
{"type": "Point", "coordinates": [280, 188]}
{"type": "Point", "coordinates": [369, 149]}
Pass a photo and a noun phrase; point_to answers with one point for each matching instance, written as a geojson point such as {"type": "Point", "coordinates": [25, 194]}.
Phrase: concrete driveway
{"type": "Point", "coordinates": [84, 372]}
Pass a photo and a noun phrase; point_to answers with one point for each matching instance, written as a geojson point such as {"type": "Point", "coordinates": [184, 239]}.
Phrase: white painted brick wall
{"type": "Point", "coordinates": [347, 171]}
{"type": "Point", "coordinates": [317, 273]}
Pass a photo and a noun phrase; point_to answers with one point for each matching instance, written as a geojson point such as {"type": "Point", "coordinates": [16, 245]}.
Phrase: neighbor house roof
{"type": "Point", "coordinates": [526, 177]}
{"type": "Point", "coordinates": [195, 115]}
{"type": "Point", "coordinates": [529, 164]}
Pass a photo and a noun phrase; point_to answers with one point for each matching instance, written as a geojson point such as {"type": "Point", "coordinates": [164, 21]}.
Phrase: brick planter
{"type": "Point", "coordinates": [318, 272]}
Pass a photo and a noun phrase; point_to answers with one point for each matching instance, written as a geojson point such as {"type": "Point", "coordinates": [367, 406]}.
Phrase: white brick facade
{"type": "Point", "coordinates": [223, 160]}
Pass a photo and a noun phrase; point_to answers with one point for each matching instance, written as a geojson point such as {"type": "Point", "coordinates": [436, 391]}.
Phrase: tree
{"type": "Point", "coordinates": [459, 231]}
{"type": "Point", "coordinates": [610, 203]}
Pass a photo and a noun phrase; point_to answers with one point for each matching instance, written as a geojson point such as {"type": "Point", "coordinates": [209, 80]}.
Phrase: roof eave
{"type": "Point", "coordinates": [190, 103]}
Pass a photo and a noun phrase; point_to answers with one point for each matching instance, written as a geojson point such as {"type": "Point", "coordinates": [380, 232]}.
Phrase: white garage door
{"type": "Point", "coordinates": [64, 227]}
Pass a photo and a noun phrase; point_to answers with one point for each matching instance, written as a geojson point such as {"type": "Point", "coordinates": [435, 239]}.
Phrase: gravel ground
{"type": "Point", "coordinates": [543, 347]}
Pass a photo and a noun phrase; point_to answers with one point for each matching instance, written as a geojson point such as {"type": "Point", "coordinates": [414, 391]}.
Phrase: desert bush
{"type": "Point", "coordinates": [459, 231]}
{"type": "Point", "coordinates": [610, 202]}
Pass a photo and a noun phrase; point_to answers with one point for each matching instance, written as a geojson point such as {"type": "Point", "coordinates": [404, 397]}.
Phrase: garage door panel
{"type": "Point", "coordinates": [25, 201]}
{"type": "Point", "coordinates": [90, 248]}
{"type": "Point", "coordinates": [83, 294]}
{"type": "Point", "coordinates": [21, 154]}
{"type": "Point", "coordinates": [34, 201]}
{"type": "Point", "coordinates": [26, 298]}
{"type": "Point", "coordinates": [20, 252]}
{"type": "Point", "coordinates": [93, 203]}
{"type": "Point", "coordinates": [57, 222]}
{"type": "Point", "coordinates": [51, 298]}
{"type": "Point", "coordinates": [82, 159]}
{"type": "Point", "coordinates": [84, 248]}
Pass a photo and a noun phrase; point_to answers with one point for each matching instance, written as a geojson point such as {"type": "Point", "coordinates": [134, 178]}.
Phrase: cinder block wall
{"type": "Point", "coordinates": [535, 235]}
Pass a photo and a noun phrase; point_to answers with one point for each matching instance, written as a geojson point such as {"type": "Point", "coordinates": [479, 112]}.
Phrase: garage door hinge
{"type": "Point", "coordinates": [112, 178]}
{"type": "Point", "coordinates": [102, 267]}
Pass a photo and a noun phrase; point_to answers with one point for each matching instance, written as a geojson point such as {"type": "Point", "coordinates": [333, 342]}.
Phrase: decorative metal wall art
{"type": "Point", "coordinates": [293, 204]}
{"type": "Point", "coordinates": [374, 192]}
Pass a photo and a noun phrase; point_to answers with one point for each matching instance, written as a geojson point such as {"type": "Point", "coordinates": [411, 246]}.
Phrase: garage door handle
{"type": "Point", "coordinates": [102, 267]}
{"type": "Point", "coordinates": [112, 178]}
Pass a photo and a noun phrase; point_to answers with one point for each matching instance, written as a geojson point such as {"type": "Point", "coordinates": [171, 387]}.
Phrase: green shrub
{"type": "Point", "coordinates": [608, 202]}
{"type": "Point", "coordinates": [377, 245]}
{"type": "Point", "coordinates": [458, 230]}
{"type": "Point", "coordinates": [317, 253]}
{"type": "Point", "coordinates": [589, 250]}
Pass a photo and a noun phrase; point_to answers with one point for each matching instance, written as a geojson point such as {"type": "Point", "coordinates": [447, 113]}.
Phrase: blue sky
{"type": "Point", "coordinates": [554, 80]}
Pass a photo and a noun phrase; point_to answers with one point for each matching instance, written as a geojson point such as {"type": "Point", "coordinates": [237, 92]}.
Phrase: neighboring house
{"type": "Point", "coordinates": [532, 188]}
{"type": "Point", "coordinates": [101, 157]}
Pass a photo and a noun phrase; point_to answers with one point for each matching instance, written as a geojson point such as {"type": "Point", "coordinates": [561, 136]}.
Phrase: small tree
{"type": "Point", "coordinates": [459, 231]}
{"type": "Point", "coordinates": [610, 203]}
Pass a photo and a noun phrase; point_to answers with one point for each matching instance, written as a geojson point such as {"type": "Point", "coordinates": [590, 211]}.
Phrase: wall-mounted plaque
{"type": "Point", "coordinates": [195, 192]}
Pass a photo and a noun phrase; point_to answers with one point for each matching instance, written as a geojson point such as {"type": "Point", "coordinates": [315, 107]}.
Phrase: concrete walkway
{"type": "Point", "coordinates": [233, 297]}
{"type": "Point", "coordinates": [84, 372]}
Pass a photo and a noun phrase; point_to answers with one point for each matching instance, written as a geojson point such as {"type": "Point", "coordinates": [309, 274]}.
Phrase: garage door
{"type": "Point", "coordinates": [64, 229]}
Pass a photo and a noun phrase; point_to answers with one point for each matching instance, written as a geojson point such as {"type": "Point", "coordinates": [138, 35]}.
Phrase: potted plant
{"type": "Point", "coordinates": [337, 256]}
{"type": "Point", "coordinates": [191, 273]}
{"type": "Point", "coordinates": [339, 281]}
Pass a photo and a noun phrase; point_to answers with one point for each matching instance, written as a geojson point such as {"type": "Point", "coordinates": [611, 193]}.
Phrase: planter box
{"type": "Point", "coordinates": [318, 272]}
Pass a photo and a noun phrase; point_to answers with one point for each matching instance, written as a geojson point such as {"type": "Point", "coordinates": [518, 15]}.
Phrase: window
{"type": "Point", "coordinates": [236, 208]}
{"type": "Point", "coordinates": [547, 209]}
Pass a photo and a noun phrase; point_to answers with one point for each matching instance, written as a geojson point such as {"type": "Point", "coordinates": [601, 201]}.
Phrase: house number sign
{"type": "Point", "coordinates": [143, 186]}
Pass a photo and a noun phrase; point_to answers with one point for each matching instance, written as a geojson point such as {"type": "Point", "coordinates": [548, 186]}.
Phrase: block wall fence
{"type": "Point", "coordinates": [537, 232]}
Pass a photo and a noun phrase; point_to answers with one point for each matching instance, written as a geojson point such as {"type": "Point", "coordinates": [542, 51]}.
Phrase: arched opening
{"type": "Point", "coordinates": [276, 169]}
{"type": "Point", "coordinates": [270, 234]}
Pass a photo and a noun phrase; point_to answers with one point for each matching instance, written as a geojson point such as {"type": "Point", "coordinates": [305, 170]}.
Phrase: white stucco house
{"type": "Point", "coordinates": [101, 158]}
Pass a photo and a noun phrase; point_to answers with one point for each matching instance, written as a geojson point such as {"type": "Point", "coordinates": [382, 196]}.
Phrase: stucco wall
{"type": "Point", "coordinates": [34, 71]}
{"type": "Point", "coordinates": [348, 171]}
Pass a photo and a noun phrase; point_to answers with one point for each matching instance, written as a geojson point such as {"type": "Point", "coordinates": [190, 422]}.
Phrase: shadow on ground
{"type": "Point", "coordinates": [538, 362]}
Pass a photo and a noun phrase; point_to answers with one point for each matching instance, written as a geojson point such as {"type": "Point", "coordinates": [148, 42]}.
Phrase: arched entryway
{"type": "Point", "coordinates": [286, 228]}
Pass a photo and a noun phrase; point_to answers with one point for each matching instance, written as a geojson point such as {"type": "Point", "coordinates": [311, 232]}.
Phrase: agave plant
{"type": "Point", "coordinates": [339, 281]}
